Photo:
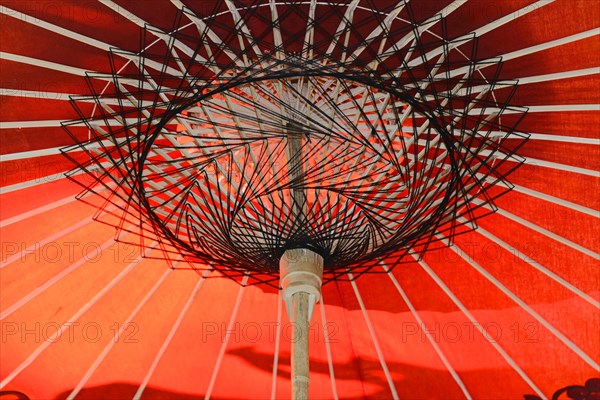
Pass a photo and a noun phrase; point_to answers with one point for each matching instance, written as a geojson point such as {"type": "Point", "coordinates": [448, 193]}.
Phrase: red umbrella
{"type": "Point", "coordinates": [511, 309]}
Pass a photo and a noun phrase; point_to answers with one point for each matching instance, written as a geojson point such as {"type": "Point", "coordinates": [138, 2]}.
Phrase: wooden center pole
{"type": "Point", "coordinates": [301, 272]}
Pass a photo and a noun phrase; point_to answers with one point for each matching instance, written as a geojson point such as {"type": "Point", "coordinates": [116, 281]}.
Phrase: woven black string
{"type": "Point", "coordinates": [196, 153]}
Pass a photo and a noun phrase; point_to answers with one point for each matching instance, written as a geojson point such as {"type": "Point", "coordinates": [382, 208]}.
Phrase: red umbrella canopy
{"type": "Point", "coordinates": [508, 310]}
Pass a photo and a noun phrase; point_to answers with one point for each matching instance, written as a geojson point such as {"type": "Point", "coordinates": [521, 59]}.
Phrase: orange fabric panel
{"type": "Point", "coordinates": [40, 108]}
{"type": "Point", "coordinates": [575, 267]}
{"type": "Point", "coordinates": [571, 186]}
{"type": "Point", "coordinates": [37, 169]}
{"type": "Point", "coordinates": [90, 19]}
{"type": "Point", "coordinates": [51, 46]}
{"type": "Point", "coordinates": [28, 199]}
{"type": "Point", "coordinates": [16, 140]}
{"type": "Point", "coordinates": [576, 154]}
{"type": "Point", "coordinates": [569, 123]}
{"type": "Point", "coordinates": [555, 218]}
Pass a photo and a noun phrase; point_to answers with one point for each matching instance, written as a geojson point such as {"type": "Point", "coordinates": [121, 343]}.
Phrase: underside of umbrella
{"type": "Point", "coordinates": [383, 138]}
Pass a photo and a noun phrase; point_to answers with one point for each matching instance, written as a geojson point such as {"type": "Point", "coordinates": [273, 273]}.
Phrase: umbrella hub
{"type": "Point", "coordinates": [301, 270]}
